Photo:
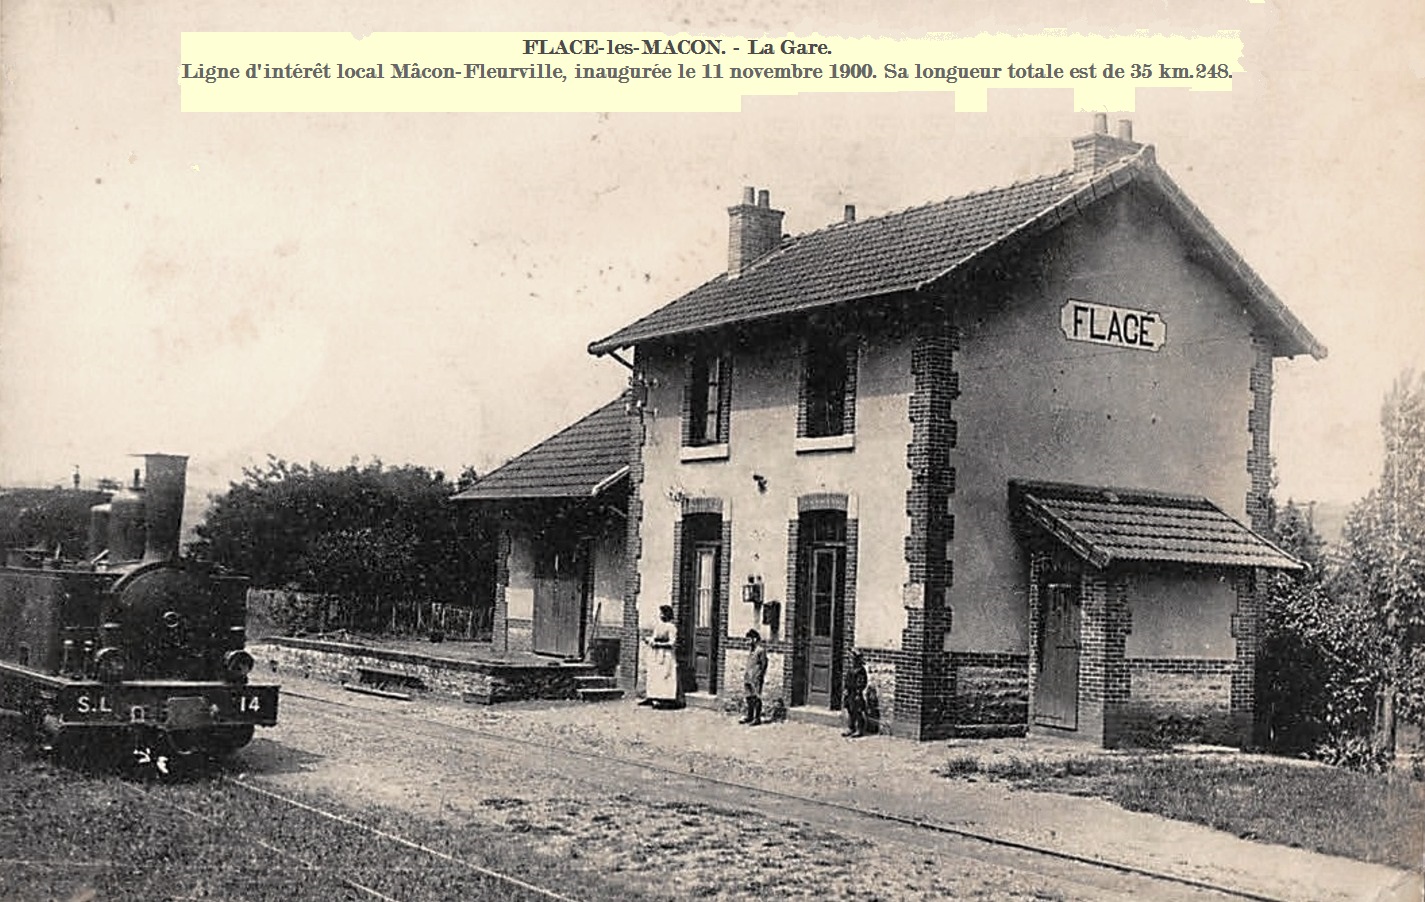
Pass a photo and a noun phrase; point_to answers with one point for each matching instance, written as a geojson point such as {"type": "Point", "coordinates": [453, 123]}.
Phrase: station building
{"type": "Point", "coordinates": [1012, 447]}
{"type": "Point", "coordinates": [560, 511]}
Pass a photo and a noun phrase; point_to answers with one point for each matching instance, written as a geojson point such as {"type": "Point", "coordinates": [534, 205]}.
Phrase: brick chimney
{"type": "Point", "coordinates": [1099, 150]}
{"type": "Point", "coordinates": [754, 231]}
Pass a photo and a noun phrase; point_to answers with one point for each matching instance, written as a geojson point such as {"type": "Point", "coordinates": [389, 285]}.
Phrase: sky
{"type": "Point", "coordinates": [421, 288]}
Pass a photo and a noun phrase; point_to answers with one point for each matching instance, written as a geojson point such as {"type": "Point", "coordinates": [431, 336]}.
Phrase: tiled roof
{"type": "Point", "coordinates": [578, 462]}
{"type": "Point", "coordinates": [1110, 526]}
{"type": "Point", "coordinates": [919, 247]}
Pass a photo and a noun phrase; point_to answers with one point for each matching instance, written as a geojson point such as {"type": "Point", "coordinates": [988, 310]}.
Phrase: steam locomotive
{"type": "Point", "coordinates": [133, 643]}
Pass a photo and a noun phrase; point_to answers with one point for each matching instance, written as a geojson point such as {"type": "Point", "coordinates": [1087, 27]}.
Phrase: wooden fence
{"type": "Point", "coordinates": [276, 612]}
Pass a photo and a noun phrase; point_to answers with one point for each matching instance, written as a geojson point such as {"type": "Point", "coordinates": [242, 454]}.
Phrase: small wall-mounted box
{"type": "Point", "coordinates": [752, 590]}
{"type": "Point", "coordinates": [772, 614]}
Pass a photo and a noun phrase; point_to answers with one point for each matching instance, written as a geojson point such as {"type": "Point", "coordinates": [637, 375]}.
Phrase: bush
{"type": "Point", "coordinates": [1354, 752]}
{"type": "Point", "coordinates": [385, 540]}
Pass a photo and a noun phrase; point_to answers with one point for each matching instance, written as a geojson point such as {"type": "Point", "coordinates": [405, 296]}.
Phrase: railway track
{"type": "Point", "coordinates": [1099, 875]}
{"type": "Point", "coordinates": [522, 889]}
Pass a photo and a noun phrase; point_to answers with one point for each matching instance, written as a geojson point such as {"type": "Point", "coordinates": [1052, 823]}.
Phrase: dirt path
{"type": "Point", "coordinates": [667, 836]}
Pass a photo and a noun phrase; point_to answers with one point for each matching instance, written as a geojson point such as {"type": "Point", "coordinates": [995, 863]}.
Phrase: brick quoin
{"type": "Point", "coordinates": [848, 601]}
{"type": "Point", "coordinates": [1259, 468]}
{"type": "Point", "coordinates": [633, 542]}
{"type": "Point", "coordinates": [789, 613]}
{"type": "Point", "coordinates": [499, 624]}
{"type": "Point", "coordinates": [1259, 425]}
{"type": "Point", "coordinates": [724, 578]}
{"type": "Point", "coordinates": [925, 675]}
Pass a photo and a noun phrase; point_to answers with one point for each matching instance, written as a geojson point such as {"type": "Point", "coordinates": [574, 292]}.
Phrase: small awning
{"type": "Point", "coordinates": [1107, 526]}
{"type": "Point", "coordinates": [583, 460]}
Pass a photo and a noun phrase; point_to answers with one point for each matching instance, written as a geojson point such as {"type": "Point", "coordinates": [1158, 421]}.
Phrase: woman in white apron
{"type": "Point", "coordinates": [663, 687]}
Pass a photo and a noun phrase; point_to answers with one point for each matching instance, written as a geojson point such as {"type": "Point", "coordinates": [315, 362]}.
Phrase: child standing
{"type": "Point", "coordinates": [753, 673]}
{"type": "Point", "coordinates": [856, 681]}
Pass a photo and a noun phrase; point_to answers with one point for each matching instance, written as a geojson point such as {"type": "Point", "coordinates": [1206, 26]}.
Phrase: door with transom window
{"type": "Point", "coordinates": [702, 600]}
{"type": "Point", "coordinates": [821, 597]}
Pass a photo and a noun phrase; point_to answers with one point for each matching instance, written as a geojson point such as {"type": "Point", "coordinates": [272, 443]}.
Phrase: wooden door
{"type": "Point", "coordinates": [705, 604]}
{"type": "Point", "coordinates": [828, 570]}
{"type": "Point", "coordinates": [700, 601]}
{"type": "Point", "coordinates": [559, 600]}
{"type": "Point", "coordinates": [820, 609]}
{"type": "Point", "coordinates": [1056, 691]}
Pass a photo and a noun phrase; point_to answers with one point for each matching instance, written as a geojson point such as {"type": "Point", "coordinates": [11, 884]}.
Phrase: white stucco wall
{"type": "Point", "coordinates": [1178, 615]}
{"type": "Point", "coordinates": [1035, 405]}
{"type": "Point", "coordinates": [608, 583]}
{"type": "Point", "coordinates": [761, 442]}
{"type": "Point", "coordinates": [519, 594]}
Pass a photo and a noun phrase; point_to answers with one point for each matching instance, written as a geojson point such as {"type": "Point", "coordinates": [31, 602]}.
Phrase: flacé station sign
{"type": "Point", "coordinates": [1120, 327]}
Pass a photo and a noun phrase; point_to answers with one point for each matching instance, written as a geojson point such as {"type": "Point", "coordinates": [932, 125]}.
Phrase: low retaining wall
{"type": "Point", "coordinates": [478, 682]}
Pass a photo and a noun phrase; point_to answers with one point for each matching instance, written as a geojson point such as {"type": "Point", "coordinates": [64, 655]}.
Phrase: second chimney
{"type": "Point", "coordinates": [754, 230]}
{"type": "Point", "coordinates": [1099, 150]}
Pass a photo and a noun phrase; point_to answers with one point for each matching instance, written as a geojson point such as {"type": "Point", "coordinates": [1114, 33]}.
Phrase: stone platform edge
{"type": "Point", "coordinates": [478, 682]}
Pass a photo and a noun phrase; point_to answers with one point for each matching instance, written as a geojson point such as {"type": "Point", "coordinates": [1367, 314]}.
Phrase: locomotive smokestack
{"type": "Point", "coordinates": [164, 483]}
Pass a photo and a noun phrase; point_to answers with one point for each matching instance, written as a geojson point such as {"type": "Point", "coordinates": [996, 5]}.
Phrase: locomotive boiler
{"type": "Point", "coordinates": [133, 642]}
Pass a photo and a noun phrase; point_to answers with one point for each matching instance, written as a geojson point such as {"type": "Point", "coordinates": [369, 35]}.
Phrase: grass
{"type": "Point", "coordinates": [70, 835]}
{"type": "Point", "coordinates": [1374, 818]}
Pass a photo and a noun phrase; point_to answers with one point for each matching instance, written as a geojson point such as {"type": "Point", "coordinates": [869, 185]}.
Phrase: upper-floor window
{"type": "Point", "coordinates": [828, 386]}
{"type": "Point", "coordinates": [708, 395]}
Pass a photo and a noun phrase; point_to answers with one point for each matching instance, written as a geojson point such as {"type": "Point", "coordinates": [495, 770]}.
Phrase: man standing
{"type": "Point", "coordinates": [753, 673]}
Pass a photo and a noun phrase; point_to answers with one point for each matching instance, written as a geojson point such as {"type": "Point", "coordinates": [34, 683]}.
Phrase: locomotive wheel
{"type": "Point", "coordinates": [214, 742]}
{"type": "Point", "coordinates": [223, 741]}
{"type": "Point", "coordinates": [29, 733]}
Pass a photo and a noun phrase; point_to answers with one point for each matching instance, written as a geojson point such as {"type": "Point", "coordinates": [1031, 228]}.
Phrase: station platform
{"type": "Point", "coordinates": [470, 671]}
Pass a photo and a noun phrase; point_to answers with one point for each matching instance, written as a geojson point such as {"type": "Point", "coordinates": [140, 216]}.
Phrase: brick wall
{"type": "Point", "coordinates": [1176, 699]}
{"type": "Point", "coordinates": [881, 669]}
{"type": "Point", "coordinates": [991, 694]}
{"type": "Point", "coordinates": [1251, 592]}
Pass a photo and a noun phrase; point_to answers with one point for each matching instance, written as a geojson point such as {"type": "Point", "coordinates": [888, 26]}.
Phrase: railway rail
{"type": "Point", "coordinates": [507, 881]}
{"type": "Point", "coordinates": [1129, 881]}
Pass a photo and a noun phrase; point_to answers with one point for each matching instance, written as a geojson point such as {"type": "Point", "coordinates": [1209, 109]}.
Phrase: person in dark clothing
{"type": "Point", "coordinates": [753, 673]}
{"type": "Point", "coordinates": [856, 681]}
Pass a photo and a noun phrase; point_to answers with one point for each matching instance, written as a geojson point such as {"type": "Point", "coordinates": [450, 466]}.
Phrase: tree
{"type": "Point", "coordinates": [382, 539]}
{"type": "Point", "coordinates": [1318, 668]}
{"type": "Point", "coordinates": [1385, 552]}
{"type": "Point", "coordinates": [55, 520]}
